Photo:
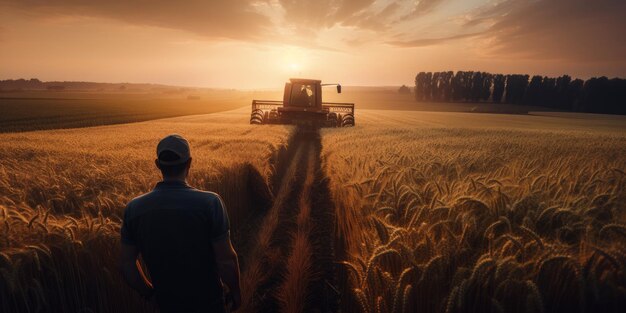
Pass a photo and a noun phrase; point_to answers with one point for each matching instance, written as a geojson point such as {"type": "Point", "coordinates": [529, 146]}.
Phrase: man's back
{"type": "Point", "coordinates": [173, 227]}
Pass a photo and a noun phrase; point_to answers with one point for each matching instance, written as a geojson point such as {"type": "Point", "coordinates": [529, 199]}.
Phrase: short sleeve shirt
{"type": "Point", "coordinates": [174, 226]}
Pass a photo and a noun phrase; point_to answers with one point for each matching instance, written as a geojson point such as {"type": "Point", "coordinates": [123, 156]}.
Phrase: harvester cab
{"type": "Point", "coordinates": [302, 105]}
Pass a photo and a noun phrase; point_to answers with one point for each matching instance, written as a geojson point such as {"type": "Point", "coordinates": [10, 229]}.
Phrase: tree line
{"type": "Point", "coordinates": [11, 85]}
{"type": "Point", "coordinates": [595, 95]}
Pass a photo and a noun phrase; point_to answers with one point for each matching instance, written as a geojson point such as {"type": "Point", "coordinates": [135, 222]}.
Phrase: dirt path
{"type": "Point", "coordinates": [289, 265]}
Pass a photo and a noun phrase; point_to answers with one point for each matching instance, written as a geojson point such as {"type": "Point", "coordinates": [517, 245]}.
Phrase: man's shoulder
{"type": "Point", "coordinates": [136, 200]}
{"type": "Point", "coordinates": [208, 200]}
{"type": "Point", "coordinates": [209, 197]}
{"type": "Point", "coordinates": [207, 194]}
{"type": "Point", "coordinates": [190, 194]}
{"type": "Point", "coordinates": [192, 198]}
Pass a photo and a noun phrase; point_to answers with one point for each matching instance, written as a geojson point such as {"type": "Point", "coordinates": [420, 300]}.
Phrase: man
{"type": "Point", "coordinates": [182, 235]}
{"type": "Point", "coordinates": [303, 98]}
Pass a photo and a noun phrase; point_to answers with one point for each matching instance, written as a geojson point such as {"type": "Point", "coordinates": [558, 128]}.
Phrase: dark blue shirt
{"type": "Point", "coordinates": [173, 227]}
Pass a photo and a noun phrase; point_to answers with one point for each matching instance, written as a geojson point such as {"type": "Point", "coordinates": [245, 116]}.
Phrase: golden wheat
{"type": "Point", "coordinates": [520, 207]}
{"type": "Point", "coordinates": [62, 194]}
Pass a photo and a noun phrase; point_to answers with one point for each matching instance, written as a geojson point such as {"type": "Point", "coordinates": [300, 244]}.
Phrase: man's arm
{"type": "Point", "coordinates": [228, 268]}
{"type": "Point", "coordinates": [132, 273]}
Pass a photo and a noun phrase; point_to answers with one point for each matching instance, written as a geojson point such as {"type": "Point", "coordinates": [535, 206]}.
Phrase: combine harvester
{"type": "Point", "coordinates": [302, 105]}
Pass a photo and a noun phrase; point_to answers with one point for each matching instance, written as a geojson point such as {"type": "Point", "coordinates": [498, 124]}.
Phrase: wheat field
{"type": "Point", "coordinates": [405, 212]}
{"type": "Point", "coordinates": [480, 213]}
{"type": "Point", "coordinates": [62, 195]}
{"type": "Point", "coordinates": [41, 109]}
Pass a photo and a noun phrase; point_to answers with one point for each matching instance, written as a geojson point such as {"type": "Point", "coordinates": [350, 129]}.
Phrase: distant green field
{"type": "Point", "coordinates": [37, 110]}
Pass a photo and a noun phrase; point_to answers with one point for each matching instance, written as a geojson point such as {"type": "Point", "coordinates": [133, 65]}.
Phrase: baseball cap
{"type": "Point", "coordinates": [175, 144]}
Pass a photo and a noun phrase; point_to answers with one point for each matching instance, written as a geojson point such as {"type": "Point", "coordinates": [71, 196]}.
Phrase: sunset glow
{"type": "Point", "coordinates": [252, 44]}
{"type": "Point", "coordinates": [292, 156]}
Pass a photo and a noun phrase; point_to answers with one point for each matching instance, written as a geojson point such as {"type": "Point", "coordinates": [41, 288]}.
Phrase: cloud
{"type": "Point", "coordinates": [424, 42]}
{"type": "Point", "coordinates": [292, 22]}
{"type": "Point", "coordinates": [375, 21]}
{"type": "Point", "coordinates": [327, 13]}
{"type": "Point", "coordinates": [571, 30]}
{"type": "Point", "coordinates": [235, 19]}
{"type": "Point", "coordinates": [565, 30]}
{"type": "Point", "coordinates": [364, 14]}
{"type": "Point", "coordinates": [423, 7]}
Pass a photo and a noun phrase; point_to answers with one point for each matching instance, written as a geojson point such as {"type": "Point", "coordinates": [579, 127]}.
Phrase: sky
{"type": "Point", "coordinates": [251, 44]}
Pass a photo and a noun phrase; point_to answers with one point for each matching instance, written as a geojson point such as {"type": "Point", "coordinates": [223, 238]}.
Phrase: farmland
{"type": "Point", "coordinates": [452, 212]}
{"type": "Point", "coordinates": [407, 211]}
{"type": "Point", "coordinates": [63, 193]}
{"type": "Point", "coordinates": [41, 109]}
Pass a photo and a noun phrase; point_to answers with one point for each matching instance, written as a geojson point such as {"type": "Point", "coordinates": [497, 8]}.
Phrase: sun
{"type": "Point", "coordinates": [295, 67]}
{"type": "Point", "coordinates": [293, 60]}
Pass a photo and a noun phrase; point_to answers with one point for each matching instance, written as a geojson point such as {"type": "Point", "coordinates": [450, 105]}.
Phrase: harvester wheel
{"type": "Point", "coordinates": [256, 117]}
{"type": "Point", "coordinates": [272, 116]}
{"type": "Point", "coordinates": [332, 120]}
{"type": "Point", "coordinates": [347, 120]}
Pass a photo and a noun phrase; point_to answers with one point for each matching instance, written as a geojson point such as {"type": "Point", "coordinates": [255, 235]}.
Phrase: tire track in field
{"type": "Point", "coordinates": [323, 295]}
{"type": "Point", "coordinates": [264, 254]}
{"type": "Point", "coordinates": [290, 267]}
{"type": "Point", "coordinates": [293, 291]}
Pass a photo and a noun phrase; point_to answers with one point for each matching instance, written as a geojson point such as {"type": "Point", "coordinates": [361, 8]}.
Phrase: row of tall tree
{"type": "Point", "coordinates": [596, 95]}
